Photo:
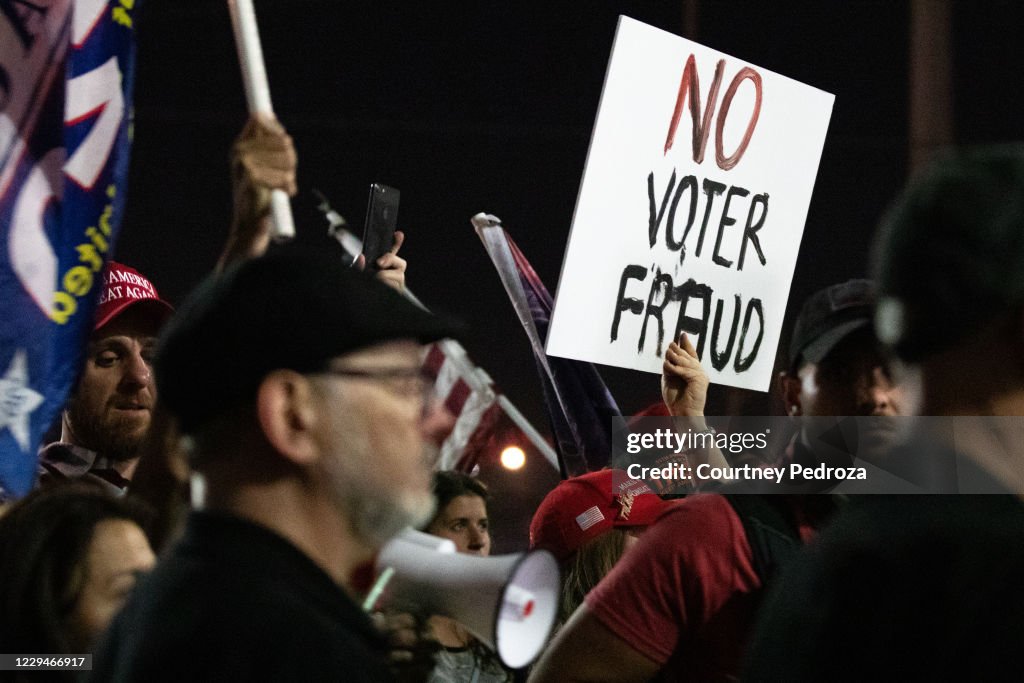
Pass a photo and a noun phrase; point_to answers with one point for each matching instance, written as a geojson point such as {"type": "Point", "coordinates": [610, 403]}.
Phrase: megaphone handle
{"type": "Point", "coordinates": [377, 589]}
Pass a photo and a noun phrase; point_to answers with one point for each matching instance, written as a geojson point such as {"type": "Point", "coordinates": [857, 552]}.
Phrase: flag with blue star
{"type": "Point", "coordinates": [68, 68]}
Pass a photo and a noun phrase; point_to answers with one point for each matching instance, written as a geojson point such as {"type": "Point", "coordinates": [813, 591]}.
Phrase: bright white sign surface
{"type": "Point", "coordinates": [691, 209]}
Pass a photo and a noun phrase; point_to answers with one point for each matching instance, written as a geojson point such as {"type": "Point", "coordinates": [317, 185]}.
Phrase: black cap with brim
{"type": "Point", "coordinates": [294, 308]}
{"type": "Point", "coordinates": [829, 316]}
{"type": "Point", "coordinates": [816, 351]}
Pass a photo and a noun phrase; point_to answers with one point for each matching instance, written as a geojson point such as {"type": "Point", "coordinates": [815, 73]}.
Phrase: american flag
{"type": "Point", "coordinates": [470, 396]}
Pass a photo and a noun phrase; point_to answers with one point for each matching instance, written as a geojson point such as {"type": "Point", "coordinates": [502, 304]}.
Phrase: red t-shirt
{"type": "Point", "coordinates": [685, 595]}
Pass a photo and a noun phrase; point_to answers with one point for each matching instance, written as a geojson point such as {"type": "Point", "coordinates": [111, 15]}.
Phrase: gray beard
{"type": "Point", "coordinates": [377, 519]}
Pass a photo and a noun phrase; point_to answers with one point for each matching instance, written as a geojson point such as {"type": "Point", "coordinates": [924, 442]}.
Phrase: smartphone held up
{"type": "Point", "coordinates": [381, 221]}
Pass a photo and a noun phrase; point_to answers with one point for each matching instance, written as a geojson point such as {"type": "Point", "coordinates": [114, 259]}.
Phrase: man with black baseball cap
{"type": "Point", "coordinates": [299, 384]}
{"type": "Point", "coordinates": [930, 584]}
{"type": "Point", "coordinates": [836, 364]}
{"type": "Point", "coordinates": [827, 316]}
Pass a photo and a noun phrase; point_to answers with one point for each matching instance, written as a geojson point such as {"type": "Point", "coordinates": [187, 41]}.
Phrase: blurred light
{"type": "Point", "coordinates": [513, 458]}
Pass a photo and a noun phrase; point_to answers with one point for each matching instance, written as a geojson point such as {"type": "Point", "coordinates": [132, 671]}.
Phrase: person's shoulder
{"type": "Point", "coordinates": [702, 513]}
{"type": "Point", "coordinates": [938, 512]}
{"type": "Point", "coordinates": [187, 598]}
{"type": "Point", "coordinates": [698, 531]}
{"type": "Point", "coordinates": [697, 503]}
{"type": "Point", "coordinates": [220, 630]}
{"type": "Point", "coordinates": [931, 573]}
{"type": "Point", "coordinates": [210, 600]}
{"type": "Point", "coordinates": [901, 545]}
{"type": "Point", "coordinates": [915, 522]}
{"type": "Point", "coordinates": [63, 460]}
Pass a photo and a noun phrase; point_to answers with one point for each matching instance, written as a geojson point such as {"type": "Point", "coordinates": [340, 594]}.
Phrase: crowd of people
{"type": "Point", "coordinates": [308, 427]}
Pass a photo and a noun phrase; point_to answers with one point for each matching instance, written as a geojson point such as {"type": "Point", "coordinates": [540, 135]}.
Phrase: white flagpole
{"type": "Point", "coordinates": [257, 95]}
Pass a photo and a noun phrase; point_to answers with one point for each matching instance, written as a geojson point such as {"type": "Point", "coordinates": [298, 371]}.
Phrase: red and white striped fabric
{"type": "Point", "coordinates": [469, 394]}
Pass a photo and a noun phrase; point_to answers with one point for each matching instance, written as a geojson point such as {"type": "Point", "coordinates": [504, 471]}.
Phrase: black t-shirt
{"type": "Point", "coordinates": [236, 602]}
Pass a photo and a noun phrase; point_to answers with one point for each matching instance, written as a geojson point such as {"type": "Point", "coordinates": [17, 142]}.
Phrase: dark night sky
{"type": "Point", "coordinates": [484, 106]}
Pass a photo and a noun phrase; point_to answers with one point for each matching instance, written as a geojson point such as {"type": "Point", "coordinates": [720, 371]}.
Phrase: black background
{"type": "Point", "coordinates": [485, 106]}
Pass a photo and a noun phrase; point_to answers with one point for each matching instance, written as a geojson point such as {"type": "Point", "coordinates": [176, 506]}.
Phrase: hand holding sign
{"type": "Point", "coordinates": [684, 383]}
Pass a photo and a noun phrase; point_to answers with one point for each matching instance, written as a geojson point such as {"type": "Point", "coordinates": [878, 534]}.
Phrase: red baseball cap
{"type": "Point", "coordinates": [123, 288]}
{"type": "Point", "coordinates": [584, 507]}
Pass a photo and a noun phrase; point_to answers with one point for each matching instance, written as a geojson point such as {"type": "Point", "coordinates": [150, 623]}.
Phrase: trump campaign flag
{"type": "Point", "coordinates": [66, 73]}
{"type": "Point", "coordinates": [578, 403]}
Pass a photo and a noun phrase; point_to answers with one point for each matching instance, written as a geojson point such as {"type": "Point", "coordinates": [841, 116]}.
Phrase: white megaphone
{"type": "Point", "coordinates": [508, 602]}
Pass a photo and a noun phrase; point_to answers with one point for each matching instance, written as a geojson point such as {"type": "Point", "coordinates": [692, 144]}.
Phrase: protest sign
{"type": "Point", "coordinates": [690, 211]}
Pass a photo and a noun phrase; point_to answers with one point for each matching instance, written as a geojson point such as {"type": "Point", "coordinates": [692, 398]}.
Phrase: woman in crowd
{"type": "Point", "coordinates": [69, 557]}
{"type": "Point", "coordinates": [462, 518]}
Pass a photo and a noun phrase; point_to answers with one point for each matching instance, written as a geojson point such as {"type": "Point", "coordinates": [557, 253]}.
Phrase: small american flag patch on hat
{"type": "Point", "coordinates": [589, 517]}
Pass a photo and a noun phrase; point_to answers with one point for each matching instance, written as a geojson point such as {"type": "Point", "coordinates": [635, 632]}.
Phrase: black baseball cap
{"type": "Point", "coordinates": [828, 317]}
{"type": "Point", "coordinates": [949, 255]}
{"type": "Point", "coordinates": [295, 308]}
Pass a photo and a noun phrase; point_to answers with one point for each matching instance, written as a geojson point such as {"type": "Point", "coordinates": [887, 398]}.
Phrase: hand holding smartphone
{"type": "Point", "coordinates": [381, 220]}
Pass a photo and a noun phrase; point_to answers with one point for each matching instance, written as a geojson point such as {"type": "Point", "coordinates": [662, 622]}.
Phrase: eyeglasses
{"type": "Point", "coordinates": [405, 382]}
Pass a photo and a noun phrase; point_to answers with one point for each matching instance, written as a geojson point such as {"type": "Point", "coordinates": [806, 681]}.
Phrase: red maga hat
{"type": "Point", "coordinates": [124, 288]}
{"type": "Point", "coordinates": [584, 507]}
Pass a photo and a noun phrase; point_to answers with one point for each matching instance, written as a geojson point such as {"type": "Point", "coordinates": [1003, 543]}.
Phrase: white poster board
{"type": "Point", "coordinates": [691, 209]}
